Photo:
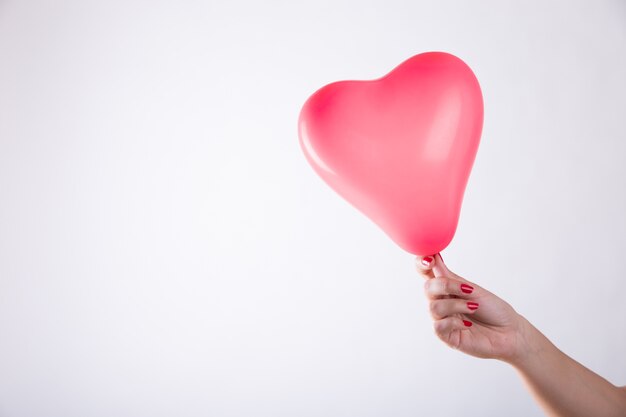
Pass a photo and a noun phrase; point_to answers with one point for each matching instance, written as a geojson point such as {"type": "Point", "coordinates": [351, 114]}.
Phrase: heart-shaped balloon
{"type": "Point", "coordinates": [400, 148]}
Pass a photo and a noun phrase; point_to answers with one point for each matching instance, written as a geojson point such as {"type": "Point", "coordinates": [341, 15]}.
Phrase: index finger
{"type": "Point", "coordinates": [424, 265]}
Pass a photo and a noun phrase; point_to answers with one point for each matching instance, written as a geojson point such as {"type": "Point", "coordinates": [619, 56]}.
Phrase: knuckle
{"type": "Point", "coordinates": [430, 287]}
{"type": "Point", "coordinates": [454, 341]}
{"type": "Point", "coordinates": [445, 285]}
{"type": "Point", "coordinates": [440, 327]}
{"type": "Point", "coordinates": [435, 308]}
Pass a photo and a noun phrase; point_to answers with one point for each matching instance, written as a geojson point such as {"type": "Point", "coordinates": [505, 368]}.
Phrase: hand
{"type": "Point", "coordinates": [475, 321]}
{"type": "Point", "coordinates": [468, 317]}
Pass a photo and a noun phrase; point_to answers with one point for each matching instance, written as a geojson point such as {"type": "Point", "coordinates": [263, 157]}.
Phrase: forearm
{"type": "Point", "coordinates": [562, 386]}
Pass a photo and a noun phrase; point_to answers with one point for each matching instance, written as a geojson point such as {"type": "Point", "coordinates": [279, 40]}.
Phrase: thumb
{"type": "Point", "coordinates": [440, 269]}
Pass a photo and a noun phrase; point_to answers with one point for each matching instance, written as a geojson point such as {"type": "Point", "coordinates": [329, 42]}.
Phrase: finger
{"type": "Point", "coordinates": [442, 286]}
{"type": "Point", "coordinates": [441, 270]}
{"type": "Point", "coordinates": [443, 308]}
{"type": "Point", "coordinates": [424, 265]}
{"type": "Point", "coordinates": [444, 327]}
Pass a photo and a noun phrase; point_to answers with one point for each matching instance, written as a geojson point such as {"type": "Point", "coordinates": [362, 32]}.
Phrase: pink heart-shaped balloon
{"type": "Point", "coordinates": [400, 148]}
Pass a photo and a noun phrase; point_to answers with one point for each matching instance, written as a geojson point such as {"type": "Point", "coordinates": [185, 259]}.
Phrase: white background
{"type": "Point", "coordinates": [166, 250]}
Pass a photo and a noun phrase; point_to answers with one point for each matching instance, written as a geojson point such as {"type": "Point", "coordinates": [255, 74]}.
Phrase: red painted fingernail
{"type": "Point", "coordinates": [467, 323]}
{"type": "Point", "coordinates": [427, 260]}
{"type": "Point", "coordinates": [467, 289]}
{"type": "Point", "coordinates": [472, 306]}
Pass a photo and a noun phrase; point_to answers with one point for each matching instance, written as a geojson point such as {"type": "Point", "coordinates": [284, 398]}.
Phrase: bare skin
{"type": "Point", "coordinates": [473, 320]}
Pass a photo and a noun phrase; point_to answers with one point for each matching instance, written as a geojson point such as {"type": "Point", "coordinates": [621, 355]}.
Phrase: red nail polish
{"type": "Point", "coordinates": [467, 289]}
{"type": "Point", "coordinates": [472, 306]}
{"type": "Point", "coordinates": [427, 260]}
{"type": "Point", "coordinates": [467, 323]}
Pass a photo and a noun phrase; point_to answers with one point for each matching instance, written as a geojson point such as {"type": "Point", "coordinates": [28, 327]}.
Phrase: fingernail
{"type": "Point", "coordinates": [467, 289]}
{"type": "Point", "coordinates": [427, 260]}
{"type": "Point", "coordinates": [467, 323]}
{"type": "Point", "coordinates": [472, 306]}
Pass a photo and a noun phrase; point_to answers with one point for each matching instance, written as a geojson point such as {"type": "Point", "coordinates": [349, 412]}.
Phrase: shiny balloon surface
{"type": "Point", "coordinates": [400, 148]}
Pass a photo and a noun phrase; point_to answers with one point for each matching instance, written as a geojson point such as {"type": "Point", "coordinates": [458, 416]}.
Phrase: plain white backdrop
{"type": "Point", "coordinates": [166, 250]}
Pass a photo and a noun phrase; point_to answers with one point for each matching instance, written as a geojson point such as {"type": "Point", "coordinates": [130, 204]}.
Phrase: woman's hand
{"type": "Point", "coordinates": [468, 317]}
{"type": "Point", "coordinates": [475, 321]}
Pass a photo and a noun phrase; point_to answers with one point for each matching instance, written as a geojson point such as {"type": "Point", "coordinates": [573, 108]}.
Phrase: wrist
{"type": "Point", "coordinates": [529, 344]}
